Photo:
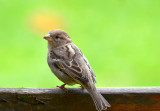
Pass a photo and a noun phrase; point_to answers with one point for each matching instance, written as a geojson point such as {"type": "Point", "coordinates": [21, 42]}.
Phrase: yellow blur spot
{"type": "Point", "coordinates": [46, 20]}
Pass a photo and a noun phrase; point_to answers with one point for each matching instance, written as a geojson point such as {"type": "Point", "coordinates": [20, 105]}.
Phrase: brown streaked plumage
{"type": "Point", "coordinates": [69, 64]}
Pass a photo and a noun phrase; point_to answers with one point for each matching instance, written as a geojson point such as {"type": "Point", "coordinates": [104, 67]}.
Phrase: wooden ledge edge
{"type": "Point", "coordinates": [103, 90]}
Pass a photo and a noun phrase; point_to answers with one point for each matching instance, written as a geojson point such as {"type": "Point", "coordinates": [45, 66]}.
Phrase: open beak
{"type": "Point", "coordinates": [48, 37]}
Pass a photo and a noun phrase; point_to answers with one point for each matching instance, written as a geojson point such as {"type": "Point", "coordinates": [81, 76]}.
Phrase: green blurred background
{"type": "Point", "coordinates": [120, 38]}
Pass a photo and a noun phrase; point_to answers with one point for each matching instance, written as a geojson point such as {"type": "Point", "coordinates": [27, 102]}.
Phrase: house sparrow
{"type": "Point", "coordinates": [69, 64]}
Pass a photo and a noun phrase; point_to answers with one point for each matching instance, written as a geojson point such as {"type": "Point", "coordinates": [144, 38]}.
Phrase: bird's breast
{"type": "Point", "coordinates": [59, 73]}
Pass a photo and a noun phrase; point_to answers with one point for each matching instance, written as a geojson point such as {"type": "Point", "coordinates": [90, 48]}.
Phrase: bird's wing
{"type": "Point", "coordinates": [90, 69]}
{"type": "Point", "coordinates": [67, 64]}
{"type": "Point", "coordinates": [71, 69]}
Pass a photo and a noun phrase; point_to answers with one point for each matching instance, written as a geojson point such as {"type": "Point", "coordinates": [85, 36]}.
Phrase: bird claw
{"type": "Point", "coordinates": [62, 87]}
{"type": "Point", "coordinates": [81, 87]}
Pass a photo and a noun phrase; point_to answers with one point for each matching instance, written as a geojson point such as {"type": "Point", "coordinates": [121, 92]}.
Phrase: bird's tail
{"type": "Point", "coordinates": [100, 102]}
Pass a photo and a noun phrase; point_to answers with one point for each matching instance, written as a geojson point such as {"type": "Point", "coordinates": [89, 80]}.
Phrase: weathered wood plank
{"type": "Point", "coordinates": [76, 99]}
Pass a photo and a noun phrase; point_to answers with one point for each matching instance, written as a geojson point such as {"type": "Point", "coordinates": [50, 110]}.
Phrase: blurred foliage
{"type": "Point", "coordinates": [120, 38]}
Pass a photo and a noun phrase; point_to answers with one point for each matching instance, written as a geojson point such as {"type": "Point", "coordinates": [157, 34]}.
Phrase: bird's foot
{"type": "Point", "coordinates": [81, 87]}
{"type": "Point", "coordinates": [62, 87]}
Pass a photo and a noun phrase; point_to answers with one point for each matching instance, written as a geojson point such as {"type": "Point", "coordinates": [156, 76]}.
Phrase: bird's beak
{"type": "Point", "coordinates": [48, 37]}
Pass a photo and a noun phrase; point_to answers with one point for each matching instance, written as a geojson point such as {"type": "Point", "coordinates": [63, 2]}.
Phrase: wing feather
{"type": "Point", "coordinates": [90, 69]}
{"type": "Point", "coordinates": [69, 65]}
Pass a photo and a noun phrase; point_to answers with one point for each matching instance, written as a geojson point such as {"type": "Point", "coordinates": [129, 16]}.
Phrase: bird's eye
{"type": "Point", "coordinates": [57, 37]}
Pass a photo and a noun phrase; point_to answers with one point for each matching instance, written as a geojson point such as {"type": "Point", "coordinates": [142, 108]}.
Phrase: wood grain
{"type": "Point", "coordinates": [77, 99]}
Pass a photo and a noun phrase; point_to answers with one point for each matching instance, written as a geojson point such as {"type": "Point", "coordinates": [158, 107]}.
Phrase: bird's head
{"type": "Point", "coordinates": [57, 38]}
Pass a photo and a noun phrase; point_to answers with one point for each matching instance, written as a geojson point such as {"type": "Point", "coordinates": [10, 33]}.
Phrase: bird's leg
{"type": "Point", "coordinates": [81, 87]}
{"type": "Point", "coordinates": [62, 87]}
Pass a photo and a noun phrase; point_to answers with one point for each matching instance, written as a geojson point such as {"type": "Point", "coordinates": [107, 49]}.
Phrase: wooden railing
{"type": "Point", "coordinates": [77, 99]}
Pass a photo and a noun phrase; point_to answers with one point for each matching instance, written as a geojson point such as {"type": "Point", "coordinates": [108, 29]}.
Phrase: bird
{"type": "Point", "coordinates": [70, 65]}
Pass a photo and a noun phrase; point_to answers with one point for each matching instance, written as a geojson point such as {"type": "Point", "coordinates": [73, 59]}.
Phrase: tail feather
{"type": "Point", "coordinates": [99, 101]}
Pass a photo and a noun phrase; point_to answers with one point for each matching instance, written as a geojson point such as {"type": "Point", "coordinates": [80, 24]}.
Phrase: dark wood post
{"type": "Point", "coordinates": [77, 99]}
